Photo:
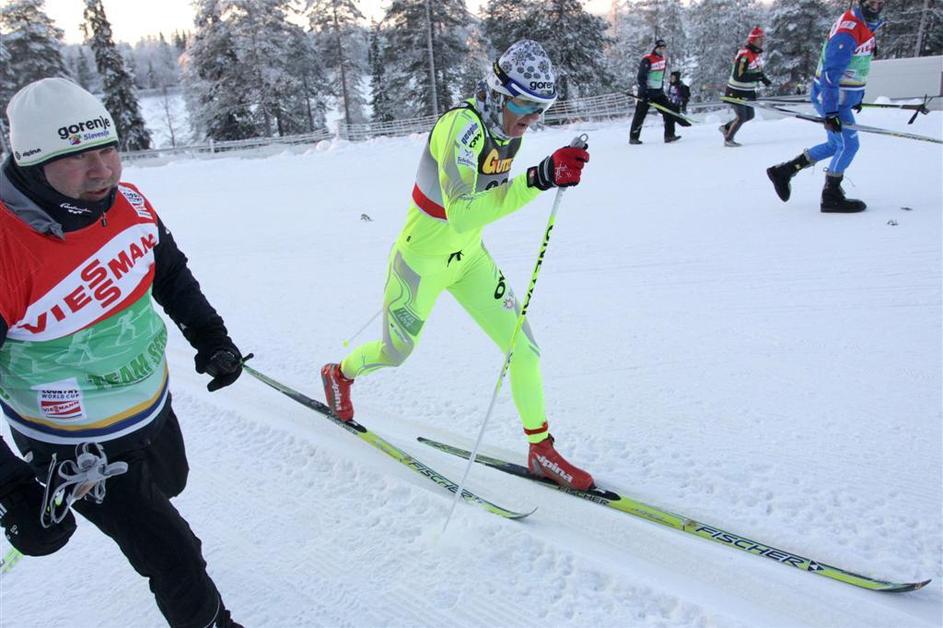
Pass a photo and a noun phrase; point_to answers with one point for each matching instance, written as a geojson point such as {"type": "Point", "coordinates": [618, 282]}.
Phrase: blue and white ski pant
{"type": "Point", "coordinates": [841, 147]}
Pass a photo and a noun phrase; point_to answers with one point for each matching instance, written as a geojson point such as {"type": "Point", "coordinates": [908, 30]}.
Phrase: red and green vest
{"type": "Point", "coordinates": [84, 355]}
{"type": "Point", "coordinates": [855, 76]}
{"type": "Point", "coordinates": [656, 73]}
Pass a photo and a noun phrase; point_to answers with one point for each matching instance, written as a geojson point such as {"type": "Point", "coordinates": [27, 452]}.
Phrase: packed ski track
{"type": "Point", "coordinates": [706, 349]}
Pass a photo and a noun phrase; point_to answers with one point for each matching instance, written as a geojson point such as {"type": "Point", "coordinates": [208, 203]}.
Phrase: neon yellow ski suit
{"type": "Point", "coordinates": [461, 185]}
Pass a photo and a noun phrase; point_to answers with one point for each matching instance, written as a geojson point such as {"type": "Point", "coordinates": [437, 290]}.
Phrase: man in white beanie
{"type": "Point", "coordinates": [83, 376]}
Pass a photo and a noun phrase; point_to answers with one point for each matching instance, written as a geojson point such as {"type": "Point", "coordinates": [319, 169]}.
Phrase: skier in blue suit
{"type": "Point", "coordinates": [837, 90]}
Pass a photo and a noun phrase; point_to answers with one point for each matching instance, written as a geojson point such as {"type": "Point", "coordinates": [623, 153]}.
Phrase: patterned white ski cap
{"type": "Point", "coordinates": [524, 70]}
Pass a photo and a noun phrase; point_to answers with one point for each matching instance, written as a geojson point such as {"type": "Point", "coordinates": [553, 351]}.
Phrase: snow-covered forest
{"type": "Point", "coordinates": [264, 68]}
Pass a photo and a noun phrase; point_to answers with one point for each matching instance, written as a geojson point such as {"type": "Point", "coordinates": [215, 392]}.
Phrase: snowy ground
{"type": "Point", "coordinates": [706, 348]}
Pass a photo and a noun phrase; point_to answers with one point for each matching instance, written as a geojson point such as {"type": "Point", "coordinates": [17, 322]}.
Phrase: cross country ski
{"type": "Point", "coordinates": [614, 500]}
{"type": "Point", "coordinates": [385, 446]}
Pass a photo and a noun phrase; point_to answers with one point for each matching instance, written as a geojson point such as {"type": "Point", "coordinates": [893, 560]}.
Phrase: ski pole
{"type": "Point", "coordinates": [9, 560]}
{"type": "Point", "coordinates": [917, 108]}
{"type": "Point", "coordinates": [670, 112]}
{"type": "Point", "coordinates": [820, 120]}
{"type": "Point", "coordinates": [346, 343]}
{"type": "Point", "coordinates": [579, 142]}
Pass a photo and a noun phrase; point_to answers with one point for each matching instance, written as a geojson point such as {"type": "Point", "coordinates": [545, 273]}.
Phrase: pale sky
{"type": "Point", "coordinates": [133, 19]}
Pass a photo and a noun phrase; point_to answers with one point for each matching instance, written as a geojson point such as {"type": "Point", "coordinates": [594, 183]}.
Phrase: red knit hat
{"type": "Point", "coordinates": [755, 34]}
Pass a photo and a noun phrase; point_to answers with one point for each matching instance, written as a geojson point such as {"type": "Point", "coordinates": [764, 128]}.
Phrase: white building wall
{"type": "Point", "coordinates": [906, 78]}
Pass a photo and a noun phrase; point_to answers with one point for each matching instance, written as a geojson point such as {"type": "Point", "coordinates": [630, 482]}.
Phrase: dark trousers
{"type": "Point", "coordinates": [137, 514]}
{"type": "Point", "coordinates": [641, 110]}
{"type": "Point", "coordinates": [744, 113]}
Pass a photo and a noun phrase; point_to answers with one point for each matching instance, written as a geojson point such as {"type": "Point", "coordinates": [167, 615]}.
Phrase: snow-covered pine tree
{"type": "Point", "coordinates": [179, 40]}
{"type": "Point", "coordinates": [717, 29]}
{"type": "Point", "coordinates": [314, 85]}
{"type": "Point", "coordinates": [930, 29]}
{"type": "Point", "coordinates": [383, 109]}
{"type": "Point", "coordinates": [794, 39]}
{"type": "Point", "coordinates": [84, 70]}
{"type": "Point", "coordinates": [450, 44]}
{"type": "Point", "coordinates": [117, 84]}
{"type": "Point", "coordinates": [32, 45]}
{"type": "Point", "coordinates": [155, 63]}
{"type": "Point", "coordinates": [214, 86]}
{"type": "Point", "coordinates": [898, 38]}
{"type": "Point", "coordinates": [342, 51]}
{"type": "Point", "coordinates": [631, 40]}
{"type": "Point", "coordinates": [263, 37]}
{"type": "Point", "coordinates": [576, 41]}
{"type": "Point", "coordinates": [574, 38]}
{"type": "Point", "coordinates": [481, 54]}
{"type": "Point", "coordinates": [504, 23]}
{"type": "Point", "coordinates": [911, 28]}
{"type": "Point", "coordinates": [406, 55]}
{"type": "Point", "coordinates": [664, 20]}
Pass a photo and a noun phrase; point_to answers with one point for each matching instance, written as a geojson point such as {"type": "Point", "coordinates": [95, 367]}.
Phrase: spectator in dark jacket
{"type": "Point", "coordinates": [678, 93]}
{"type": "Point", "coordinates": [650, 90]}
{"type": "Point", "coordinates": [746, 73]}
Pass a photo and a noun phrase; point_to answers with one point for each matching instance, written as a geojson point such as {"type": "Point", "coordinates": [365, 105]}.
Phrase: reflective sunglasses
{"type": "Point", "coordinates": [523, 107]}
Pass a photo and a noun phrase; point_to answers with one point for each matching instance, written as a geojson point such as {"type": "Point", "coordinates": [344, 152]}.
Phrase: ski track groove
{"type": "Point", "coordinates": [432, 603]}
{"type": "Point", "coordinates": [428, 505]}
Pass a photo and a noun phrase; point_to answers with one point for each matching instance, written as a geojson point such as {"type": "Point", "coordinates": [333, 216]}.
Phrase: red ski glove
{"type": "Point", "coordinates": [561, 169]}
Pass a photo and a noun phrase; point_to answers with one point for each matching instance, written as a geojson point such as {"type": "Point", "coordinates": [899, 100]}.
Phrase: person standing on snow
{"type": "Point", "coordinates": [678, 93]}
{"type": "Point", "coordinates": [838, 88]}
{"type": "Point", "coordinates": [650, 89]}
{"type": "Point", "coordinates": [463, 184]}
{"type": "Point", "coordinates": [746, 73]}
{"type": "Point", "coordinates": [83, 376]}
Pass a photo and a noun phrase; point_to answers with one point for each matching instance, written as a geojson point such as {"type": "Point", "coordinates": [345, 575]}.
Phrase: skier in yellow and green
{"type": "Point", "coordinates": [462, 184]}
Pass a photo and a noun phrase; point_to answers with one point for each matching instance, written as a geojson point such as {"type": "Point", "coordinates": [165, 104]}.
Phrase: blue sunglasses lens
{"type": "Point", "coordinates": [521, 107]}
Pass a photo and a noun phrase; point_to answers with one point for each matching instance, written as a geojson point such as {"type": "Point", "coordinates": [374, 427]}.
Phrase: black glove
{"type": "Point", "coordinates": [766, 81]}
{"type": "Point", "coordinates": [222, 362]}
{"type": "Point", "coordinates": [832, 122]}
{"type": "Point", "coordinates": [563, 168]}
{"type": "Point", "coordinates": [857, 108]}
{"type": "Point", "coordinates": [21, 508]}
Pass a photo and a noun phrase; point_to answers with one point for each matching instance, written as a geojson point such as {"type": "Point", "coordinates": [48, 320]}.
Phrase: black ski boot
{"type": "Point", "coordinates": [225, 620]}
{"type": "Point", "coordinates": [782, 173]}
{"type": "Point", "coordinates": [833, 197]}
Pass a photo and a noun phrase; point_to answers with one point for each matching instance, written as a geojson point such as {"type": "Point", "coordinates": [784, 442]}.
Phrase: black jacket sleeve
{"type": "Point", "coordinates": [178, 292]}
{"type": "Point", "coordinates": [742, 73]}
{"type": "Point", "coordinates": [643, 69]}
{"type": "Point", "coordinates": [13, 470]}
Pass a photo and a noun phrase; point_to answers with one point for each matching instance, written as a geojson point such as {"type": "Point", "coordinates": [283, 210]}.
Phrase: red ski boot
{"type": "Point", "coordinates": [544, 460]}
{"type": "Point", "coordinates": [337, 391]}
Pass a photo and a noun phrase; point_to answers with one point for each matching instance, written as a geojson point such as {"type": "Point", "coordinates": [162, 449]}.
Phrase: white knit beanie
{"type": "Point", "coordinates": [54, 117]}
